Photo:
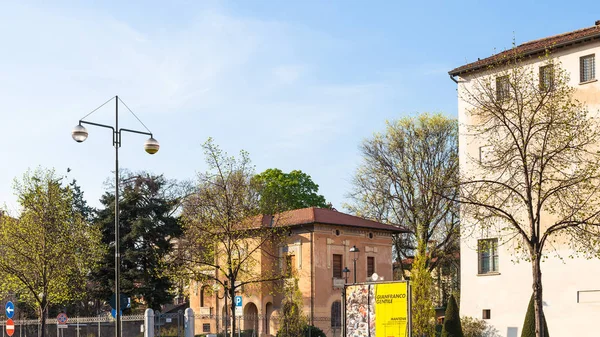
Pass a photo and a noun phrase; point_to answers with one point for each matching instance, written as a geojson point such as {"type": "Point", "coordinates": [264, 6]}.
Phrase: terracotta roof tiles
{"type": "Point", "coordinates": [314, 215]}
{"type": "Point", "coordinates": [535, 47]}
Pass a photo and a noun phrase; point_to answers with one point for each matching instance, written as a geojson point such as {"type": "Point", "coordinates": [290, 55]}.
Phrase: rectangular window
{"type": "Point", "coordinates": [587, 68]}
{"type": "Point", "coordinates": [546, 78]}
{"type": "Point", "coordinates": [370, 265]}
{"type": "Point", "coordinates": [485, 154]}
{"type": "Point", "coordinates": [337, 265]}
{"type": "Point", "coordinates": [502, 88]}
{"type": "Point", "coordinates": [290, 265]}
{"type": "Point", "coordinates": [488, 256]}
{"type": "Point", "coordinates": [487, 314]}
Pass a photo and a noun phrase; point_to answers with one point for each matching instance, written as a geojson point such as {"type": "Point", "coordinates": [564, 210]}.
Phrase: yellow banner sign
{"type": "Point", "coordinates": [377, 310]}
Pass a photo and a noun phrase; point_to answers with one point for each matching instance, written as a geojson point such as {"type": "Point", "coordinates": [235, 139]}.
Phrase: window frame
{"type": "Point", "coordinates": [546, 77]}
{"type": "Point", "coordinates": [370, 263]}
{"type": "Point", "coordinates": [502, 88]}
{"type": "Point", "coordinates": [487, 249]}
{"type": "Point", "coordinates": [337, 272]}
{"type": "Point", "coordinates": [290, 265]}
{"type": "Point", "coordinates": [592, 71]}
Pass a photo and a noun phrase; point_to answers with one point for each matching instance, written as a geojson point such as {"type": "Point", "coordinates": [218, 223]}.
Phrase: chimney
{"type": "Point", "coordinates": [597, 22]}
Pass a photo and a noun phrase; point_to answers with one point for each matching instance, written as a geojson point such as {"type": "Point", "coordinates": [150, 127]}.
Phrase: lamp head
{"type": "Point", "coordinates": [151, 145]}
{"type": "Point", "coordinates": [354, 249]}
{"type": "Point", "coordinates": [79, 133]}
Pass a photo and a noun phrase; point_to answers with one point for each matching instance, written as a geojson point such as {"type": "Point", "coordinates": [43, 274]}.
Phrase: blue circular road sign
{"type": "Point", "coordinates": [9, 309]}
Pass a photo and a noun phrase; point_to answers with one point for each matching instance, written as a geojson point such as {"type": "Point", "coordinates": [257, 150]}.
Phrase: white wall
{"type": "Point", "coordinates": [508, 293]}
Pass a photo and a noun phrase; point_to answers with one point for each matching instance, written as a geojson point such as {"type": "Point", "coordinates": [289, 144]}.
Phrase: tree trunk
{"type": "Point", "coordinates": [43, 314]}
{"type": "Point", "coordinates": [537, 295]}
{"type": "Point", "coordinates": [233, 321]}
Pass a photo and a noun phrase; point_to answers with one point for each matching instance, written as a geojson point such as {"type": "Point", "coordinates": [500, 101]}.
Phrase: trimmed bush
{"type": "Point", "coordinates": [313, 330]}
{"type": "Point", "coordinates": [529, 323]}
{"type": "Point", "coordinates": [452, 327]}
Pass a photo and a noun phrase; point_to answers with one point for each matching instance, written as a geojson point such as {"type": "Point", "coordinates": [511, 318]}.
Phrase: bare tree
{"type": "Point", "coordinates": [408, 177]}
{"type": "Point", "coordinates": [536, 181]}
{"type": "Point", "coordinates": [227, 243]}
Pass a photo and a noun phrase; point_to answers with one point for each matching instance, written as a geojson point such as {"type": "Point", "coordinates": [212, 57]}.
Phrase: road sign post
{"type": "Point", "coordinates": [239, 311]}
{"type": "Point", "coordinates": [238, 306]}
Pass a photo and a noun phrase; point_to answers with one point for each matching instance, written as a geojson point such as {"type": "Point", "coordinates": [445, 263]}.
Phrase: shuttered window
{"type": "Point", "coordinates": [337, 265]}
{"type": "Point", "coordinates": [370, 265]}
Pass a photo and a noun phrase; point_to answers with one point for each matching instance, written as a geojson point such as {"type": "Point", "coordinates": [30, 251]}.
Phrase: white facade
{"type": "Point", "coordinates": [506, 293]}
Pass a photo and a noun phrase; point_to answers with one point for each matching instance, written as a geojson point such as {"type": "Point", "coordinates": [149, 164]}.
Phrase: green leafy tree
{"type": "Point", "coordinates": [423, 314]}
{"type": "Point", "coordinates": [49, 247]}
{"type": "Point", "coordinates": [227, 243]}
{"type": "Point", "coordinates": [452, 326]}
{"type": "Point", "coordinates": [148, 229]}
{"type": "Point", "coordinates": [281, 191]}
{"type": "Point", "coordinates": [536, 184]}
{"type": "Point", "coordinates": [529, 323]}
{"type": "Point", "coordinates": [409, 177]}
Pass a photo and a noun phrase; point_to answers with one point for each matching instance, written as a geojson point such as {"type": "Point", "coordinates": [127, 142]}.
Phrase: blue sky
{"type": "Point", "coordinates": [298, 84]}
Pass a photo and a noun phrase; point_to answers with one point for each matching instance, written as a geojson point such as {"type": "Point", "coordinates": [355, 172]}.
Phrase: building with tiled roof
{"type": "Point", "coordinates": [317, 250]}
{"type": "Point", "coordinates": [494, 287]}
{"type": "Point", "coordinates": [536, 48]}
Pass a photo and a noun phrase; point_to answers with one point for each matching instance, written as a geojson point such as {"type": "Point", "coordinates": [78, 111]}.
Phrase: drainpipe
{"type": "Point", "coordinates": [312, 280]}
{"type": "Point", "coordinates": [453, 79]}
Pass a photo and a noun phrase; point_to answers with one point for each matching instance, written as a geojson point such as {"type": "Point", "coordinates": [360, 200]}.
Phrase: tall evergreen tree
{"type": "Point", "coordinates": [422, 294]}
{"type": "Point", "coordinates": [529, 323]}
{"type": "Point", "coordinates": [452, 326]}
{"type": "Point", "coordinates": [147, 227]}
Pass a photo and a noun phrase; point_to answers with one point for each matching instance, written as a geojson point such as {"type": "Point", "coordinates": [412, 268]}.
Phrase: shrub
{"type": "Point", "coordinates": [452, 327]}
{"type": "Point", "coordinates": [529, 323]}
{"type": "Point", "coordinates": [473, 327]}
{"type": "Point", "coordinates": [313, 331]}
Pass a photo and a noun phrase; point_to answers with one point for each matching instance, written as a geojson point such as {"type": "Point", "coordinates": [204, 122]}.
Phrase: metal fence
{"type": "Point", "coordinates": [132, 326]}
{"type": "Point", "coordinates": [166, 325]}
{"type": "Point", "coordinates": [258, 325]}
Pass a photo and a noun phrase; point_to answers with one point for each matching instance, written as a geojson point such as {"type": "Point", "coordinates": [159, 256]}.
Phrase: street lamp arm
{"type": "Point", "coordinates": [135, 131]}
{"type": "Point", "coordinates": [97, 124]}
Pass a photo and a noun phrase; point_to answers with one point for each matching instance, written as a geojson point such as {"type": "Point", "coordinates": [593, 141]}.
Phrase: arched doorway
{"type": "Point", "coordinates": [251, 317]}
{"type": "Point", "coordinates": [268, 315]}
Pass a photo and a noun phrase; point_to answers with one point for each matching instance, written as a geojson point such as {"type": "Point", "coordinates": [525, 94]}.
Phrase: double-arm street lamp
{"type": "Point", "coordinates": [355, 251]}
{"type": "Point", "coordinates": [151, 146]}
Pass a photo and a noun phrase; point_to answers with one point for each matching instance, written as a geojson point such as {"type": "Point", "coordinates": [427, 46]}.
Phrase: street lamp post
{"type": "Point", "coordinates": [346, 271]}
{"type": "Point", "coordinates": [355, 251]}
{"type": "Point", "coordinates": [151, 146]}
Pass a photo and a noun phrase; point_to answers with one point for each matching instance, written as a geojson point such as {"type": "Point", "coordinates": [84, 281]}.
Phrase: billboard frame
{"type": "Point", "coordinates": [408, 308]}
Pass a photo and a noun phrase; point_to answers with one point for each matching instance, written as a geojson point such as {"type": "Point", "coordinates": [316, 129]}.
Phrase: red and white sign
{"type": "Point", "coordinates": [10, 327]}
{"type": "Point", "coordinates": [62, 318]}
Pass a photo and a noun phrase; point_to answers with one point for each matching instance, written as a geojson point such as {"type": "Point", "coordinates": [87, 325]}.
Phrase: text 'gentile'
{"type": "Point", "coordinates": [388, 298]}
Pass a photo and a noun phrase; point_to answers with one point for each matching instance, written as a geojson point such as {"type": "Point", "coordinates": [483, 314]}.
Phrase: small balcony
{"type": "Point", "coordinates": [338, 283]}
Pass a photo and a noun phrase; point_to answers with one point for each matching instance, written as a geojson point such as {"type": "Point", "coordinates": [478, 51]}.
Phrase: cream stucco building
{"type": "Point", "coordinates": [495, 288]}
